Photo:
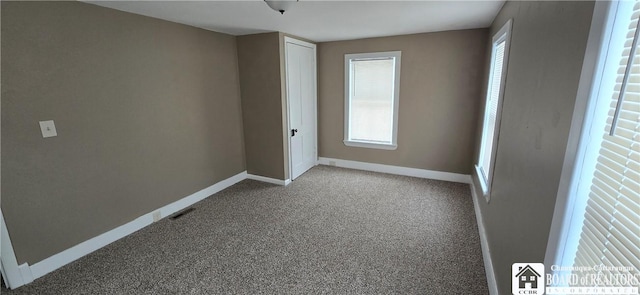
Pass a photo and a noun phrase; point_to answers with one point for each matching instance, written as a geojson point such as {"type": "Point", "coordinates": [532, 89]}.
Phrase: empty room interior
{"type": "Point", "coordinates": [339, 147]}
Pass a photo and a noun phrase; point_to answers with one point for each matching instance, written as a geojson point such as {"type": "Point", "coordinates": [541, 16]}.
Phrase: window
{"type": "Point", "coordinates": [371, 99]}
{"type": "Point", "coordinates": [495, 92]}
{"type": "Point", "coordinates": [603, 215]}
{"type": "Point", "coordinates": [609, 234]}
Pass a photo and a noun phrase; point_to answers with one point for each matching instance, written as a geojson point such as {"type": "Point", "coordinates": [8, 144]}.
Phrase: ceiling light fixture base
{"type": "Point", "coordinates": [280, 5]}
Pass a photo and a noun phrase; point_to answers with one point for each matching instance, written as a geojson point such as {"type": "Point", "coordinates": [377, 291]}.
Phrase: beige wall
{"type": "Point", "coordinates": [440, 93]}
{"type": "Point", "coordinates": [261, 77]}
{"type": "Point", "coordinates": [545, 60]}
{"type": "Point", "coordinates": [147, 112]}
{"type": "Point", "coordinates": [261, 58]}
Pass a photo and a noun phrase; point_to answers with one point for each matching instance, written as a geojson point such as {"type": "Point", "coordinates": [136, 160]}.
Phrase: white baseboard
{"type": "Point", "coordinates": [414, 172]}
{"type": "Point", "coordinates": [269, 179]}
{"type": "Point", "coordinates": [56, 261]}
{"type": "Point", "coordinates": [200, 195]}
{"type": "Point", "coordinates": [25, 271]}
{"type": "Point", "coordinates": [76, 252]}
{"type": "Point", "coordinates": [484, 244]}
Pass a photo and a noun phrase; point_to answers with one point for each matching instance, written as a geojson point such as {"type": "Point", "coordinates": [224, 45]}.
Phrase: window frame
{"type": "Point", "coordinates": [585, 137]}
{"type": "Point", "coordinates": [397, 56]}
{"type": "Point", "coordinates": [504, 34]}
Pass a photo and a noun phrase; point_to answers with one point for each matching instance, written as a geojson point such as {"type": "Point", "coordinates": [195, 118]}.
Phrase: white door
{"type": "Point", "coordinates": [301, 106]}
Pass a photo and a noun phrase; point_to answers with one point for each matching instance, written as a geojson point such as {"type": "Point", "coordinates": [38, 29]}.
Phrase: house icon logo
{"type": "Point", "coordinates": [527, 278]}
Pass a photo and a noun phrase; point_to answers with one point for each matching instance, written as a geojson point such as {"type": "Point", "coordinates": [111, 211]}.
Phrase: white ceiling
{"type": "Point", "coordinates": [320, 20]}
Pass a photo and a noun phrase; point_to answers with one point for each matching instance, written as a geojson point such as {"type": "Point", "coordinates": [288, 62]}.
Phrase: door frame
{"type": "Point", "coordinates": [287, 40]}
{"type": "Point", "coordinates": [11, 271]}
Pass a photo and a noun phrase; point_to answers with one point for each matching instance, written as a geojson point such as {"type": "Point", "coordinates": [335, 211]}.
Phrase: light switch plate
{"type": "Point", "coordinates": [48, 129]}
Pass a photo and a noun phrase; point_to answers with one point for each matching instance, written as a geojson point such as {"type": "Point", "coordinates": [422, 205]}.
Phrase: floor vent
{"type": "Point", "coordinates": [181, 213]}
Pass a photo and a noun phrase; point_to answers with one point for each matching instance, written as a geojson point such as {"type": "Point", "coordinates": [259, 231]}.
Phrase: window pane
{"type": "Point", "coordinates": [371, 102]}
{"type": "Point", "coordinates": [492, 109]}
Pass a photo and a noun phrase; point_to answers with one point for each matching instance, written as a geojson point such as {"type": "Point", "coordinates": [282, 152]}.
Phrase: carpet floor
{"type": "Point", "coordinates": [331, 231]}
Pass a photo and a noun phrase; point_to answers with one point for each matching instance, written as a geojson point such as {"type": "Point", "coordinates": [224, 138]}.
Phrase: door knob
{"type": "Point", "coordinates": [293, 132]}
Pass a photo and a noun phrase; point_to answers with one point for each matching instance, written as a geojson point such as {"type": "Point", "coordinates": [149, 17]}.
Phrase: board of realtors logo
{"type": "Point", "coordinates": [527, 278]}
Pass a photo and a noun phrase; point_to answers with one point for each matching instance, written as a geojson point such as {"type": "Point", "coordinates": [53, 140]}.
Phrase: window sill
{"type": "Point", "coordinates": [363, 144]}
{"type": "Point", "coordinates": [483, 183]}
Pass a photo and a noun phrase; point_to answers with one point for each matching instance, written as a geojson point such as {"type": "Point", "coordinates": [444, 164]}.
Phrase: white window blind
{"type": "Point", "coordinates": [492, 109]}
{"type": "Point", "coordinates": [372, 100]}
{"type": "Point", "coordinates": [611, 230]}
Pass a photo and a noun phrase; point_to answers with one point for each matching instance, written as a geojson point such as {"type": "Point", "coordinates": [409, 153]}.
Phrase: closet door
{"type": "Point", "coordinates": [301, 105]}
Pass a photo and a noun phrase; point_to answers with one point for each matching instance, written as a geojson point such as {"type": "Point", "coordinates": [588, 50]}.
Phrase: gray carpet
{"type": "Point", "coordinates": [333, 231]}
